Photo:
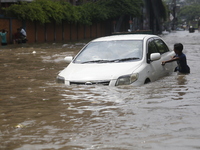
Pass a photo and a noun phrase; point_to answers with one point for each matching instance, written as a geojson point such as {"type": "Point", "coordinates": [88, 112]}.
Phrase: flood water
{"type": "Point", "coordinates": [36, 113]}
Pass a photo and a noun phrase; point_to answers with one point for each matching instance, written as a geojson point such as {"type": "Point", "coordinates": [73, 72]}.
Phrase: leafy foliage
{"type": "Point", "coordinates": [113, 8]}
{"type": "Point", "coordinates": [53, 10]}
{"type": "Point", "coordinates": [46, 11]}
{"type": "Point", "coordinates": [25, 11]}
{"type": "Point", "coordinates": [190, 12]}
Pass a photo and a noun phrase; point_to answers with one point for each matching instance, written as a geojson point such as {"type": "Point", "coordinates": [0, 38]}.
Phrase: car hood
{"type": "Point", "coordinates": [98, 71]}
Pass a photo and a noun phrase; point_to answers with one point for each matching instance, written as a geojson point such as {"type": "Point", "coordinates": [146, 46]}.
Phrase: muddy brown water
{"type": "Point", "coordinates": [36, 113]}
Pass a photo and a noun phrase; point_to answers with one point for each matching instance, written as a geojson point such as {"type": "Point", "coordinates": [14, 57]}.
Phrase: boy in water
{"type": "Point", "coordinates": [180, 58]}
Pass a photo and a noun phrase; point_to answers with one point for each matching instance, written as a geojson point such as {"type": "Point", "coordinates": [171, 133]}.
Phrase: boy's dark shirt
{"type": "Point", "coordinates": [182, 64]}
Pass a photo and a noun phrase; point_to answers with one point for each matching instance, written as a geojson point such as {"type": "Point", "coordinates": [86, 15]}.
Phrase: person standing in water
{"type": "Point", "coordinates": [3, 34]}
{"type": "Point", "coordinates": [181, 59]}
{"type": "Point", "coordinates": [23, 35]}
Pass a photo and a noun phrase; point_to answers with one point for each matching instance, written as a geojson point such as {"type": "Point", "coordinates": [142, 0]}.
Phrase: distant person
{"type": "Point", "coordinates": [180, 58]}
{"type": "Point", "coordinates": [17, 37]}
{"type": "Point", "coordinates": [23, 35]}
{"type": "Point", "coordinates": [3, 34]}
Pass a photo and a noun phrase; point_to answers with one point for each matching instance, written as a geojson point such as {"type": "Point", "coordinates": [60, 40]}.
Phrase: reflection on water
{"type": "Point", "coordinates": [36, 113]}
{"type": "Point", "coordinates": [182, 86]}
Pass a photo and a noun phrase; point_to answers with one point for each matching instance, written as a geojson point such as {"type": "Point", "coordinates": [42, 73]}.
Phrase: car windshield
{"type": "Point", "coordinates": [111, 51]}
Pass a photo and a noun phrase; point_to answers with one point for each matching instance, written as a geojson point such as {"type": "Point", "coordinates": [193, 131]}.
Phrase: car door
{"type": "Point", "coordinates": [166, 54]}
{"type": "Point", "coordinates": [154, 67]}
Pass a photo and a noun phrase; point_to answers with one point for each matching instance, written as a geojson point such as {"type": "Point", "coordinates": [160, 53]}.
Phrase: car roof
{"type": "Point", "coordinates": [124, 37]}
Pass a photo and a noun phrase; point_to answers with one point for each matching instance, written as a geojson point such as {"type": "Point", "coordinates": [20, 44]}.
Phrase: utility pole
{"type": "Point", "coordinates": [174, 14]}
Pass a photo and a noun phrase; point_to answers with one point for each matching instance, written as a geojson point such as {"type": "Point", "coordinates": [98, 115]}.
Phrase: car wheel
{"type": "Point", "coordinates": [147, 81]}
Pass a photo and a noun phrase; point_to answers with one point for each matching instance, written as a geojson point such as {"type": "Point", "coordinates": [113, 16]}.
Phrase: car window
{"type": "Point", "coordinates": [161, 46]}
{"type": "Point", "coordinates": [151, 49]}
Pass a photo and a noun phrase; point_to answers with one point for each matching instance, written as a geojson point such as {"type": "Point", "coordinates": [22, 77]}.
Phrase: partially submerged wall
{"type": "Point", "coordinates": [51, 32]}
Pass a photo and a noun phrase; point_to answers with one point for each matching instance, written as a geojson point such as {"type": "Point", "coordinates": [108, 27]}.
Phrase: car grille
{"type": "Point", "coordinates": [90, 83]}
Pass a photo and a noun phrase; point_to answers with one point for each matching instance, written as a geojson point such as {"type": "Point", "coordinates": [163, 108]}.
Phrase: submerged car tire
{"type": "Point", "coordinates": [147, 81]}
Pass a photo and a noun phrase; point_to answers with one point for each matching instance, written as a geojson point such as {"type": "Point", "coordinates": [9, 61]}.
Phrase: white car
{"type": "Point", "coordinates": [119, 60]}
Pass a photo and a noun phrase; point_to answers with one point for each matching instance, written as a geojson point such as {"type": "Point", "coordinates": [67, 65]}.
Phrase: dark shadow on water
{"type": "Point", "coordinates": [181, 86]}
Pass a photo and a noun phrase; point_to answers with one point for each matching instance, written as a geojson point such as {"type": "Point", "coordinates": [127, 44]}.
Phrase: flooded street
{"type": "Point", "coordinates": [36, 113]}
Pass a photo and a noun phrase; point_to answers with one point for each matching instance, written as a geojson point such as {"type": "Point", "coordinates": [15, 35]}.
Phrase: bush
{"type": "Point", "coordinates": [45, 11]}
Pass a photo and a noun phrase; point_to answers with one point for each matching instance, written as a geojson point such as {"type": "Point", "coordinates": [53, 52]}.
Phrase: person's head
{"type": "Point", "coordinates": [3, 30]}
{"type": "Point", "coordinates": [178, 48]}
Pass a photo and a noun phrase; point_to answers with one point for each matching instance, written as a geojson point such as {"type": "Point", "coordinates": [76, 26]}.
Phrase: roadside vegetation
{"type": "Point", "coordinates": [190, 12]}
{"type": "Point", "coordinates": [47, 11]}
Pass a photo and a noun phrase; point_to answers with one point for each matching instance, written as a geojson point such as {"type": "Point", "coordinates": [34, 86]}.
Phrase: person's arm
{"type": "Point", "coordinates": [173, 59]}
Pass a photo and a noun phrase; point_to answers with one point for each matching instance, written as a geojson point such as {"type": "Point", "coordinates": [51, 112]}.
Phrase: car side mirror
{"type": "Point", "coordinates": [68, 59]}
{"type": "Point", "coordinates": [155, 56]}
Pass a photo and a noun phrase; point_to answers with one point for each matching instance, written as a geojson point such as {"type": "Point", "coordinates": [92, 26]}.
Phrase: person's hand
{"type": "Point", "coordinates": [163, 63]}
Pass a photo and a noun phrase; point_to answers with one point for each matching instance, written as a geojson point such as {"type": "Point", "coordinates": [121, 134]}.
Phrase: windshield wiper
{"type": "Point", "coordinates": [115, 60]}
{"type": "Point", "coordinates": [96, 61]}
{"type": "Point", "coordinates": [125, 59]}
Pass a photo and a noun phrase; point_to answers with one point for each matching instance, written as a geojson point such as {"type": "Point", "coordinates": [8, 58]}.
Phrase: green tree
{"type": "Point", "coordinates": [43, 11]}
{"type": "Point", "coordinates": [69, 12]}
{"type": "Point", "coordinates": [190, 12]}
{"type": "Point", "coordinates": [190, 2]}
{"type": "Point", "coordinates": [113, 8]}
{"type": "Point", "coordinates": [46, 11]}
{"type": "Point", "coordinates": [24, 11]}
{"type": "Point", "coordinates": [54, 11]}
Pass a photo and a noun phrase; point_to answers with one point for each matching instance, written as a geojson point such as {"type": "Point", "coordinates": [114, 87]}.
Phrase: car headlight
{"type": "Point", "coordinates": [127, 79]}
{"type": "Point", "coordinates": [60, 79]}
